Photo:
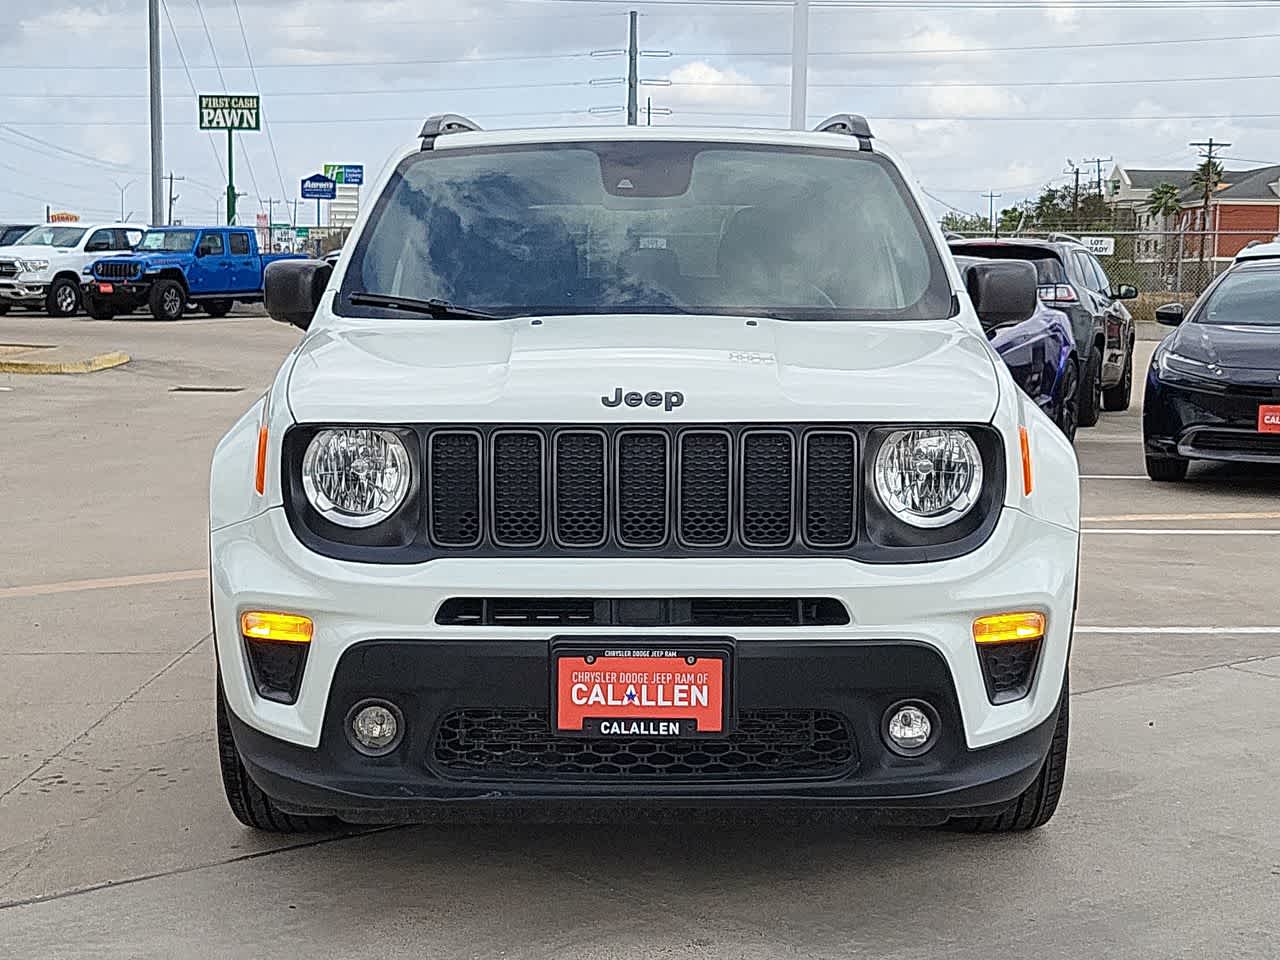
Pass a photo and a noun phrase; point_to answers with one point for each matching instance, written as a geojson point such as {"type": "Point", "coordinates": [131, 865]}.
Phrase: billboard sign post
{"type": "Point", "coordinates": [230, 113]}
{"type": "Point", "coordinates": [319, 187]}
{"type": "Point", "coordinates": [347, 174]}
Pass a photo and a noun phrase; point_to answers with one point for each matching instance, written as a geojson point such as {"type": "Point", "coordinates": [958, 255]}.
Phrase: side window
{"type": "Point", "coordinates": [210, 245]}
{"type": "Point", "coordinates": [100, 241]}
{"type": "Point", "coordinates": [239, 243]}
{"type": "Point", "coordinates": [127, 239]}
{"type": "Point", "coordinates": [1104, 285]}
{"type": "Point", "coordinates": [1080, 271]}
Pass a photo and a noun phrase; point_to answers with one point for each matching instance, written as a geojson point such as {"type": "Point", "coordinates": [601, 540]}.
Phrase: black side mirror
{"type": "Point", "coordinates": [1003, 291]}
{"type": "Point", "coordinates": [293, 288]}
{"type": "Point", "coordinates": [1125, 291]}
{"type": "Point", "coordinates": [1171, 314]}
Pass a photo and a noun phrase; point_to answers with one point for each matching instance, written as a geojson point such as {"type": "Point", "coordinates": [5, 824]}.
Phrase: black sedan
{"type": "Point", "coordinates": [1213, 389]}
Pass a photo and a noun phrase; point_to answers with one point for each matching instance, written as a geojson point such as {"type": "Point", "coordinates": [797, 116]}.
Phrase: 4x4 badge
{"type": "Point", "coordinates": [668, 400]}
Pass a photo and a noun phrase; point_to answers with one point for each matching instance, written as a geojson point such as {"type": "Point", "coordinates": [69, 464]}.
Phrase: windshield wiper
{"type": "Point", "coordinates": [440, 309]}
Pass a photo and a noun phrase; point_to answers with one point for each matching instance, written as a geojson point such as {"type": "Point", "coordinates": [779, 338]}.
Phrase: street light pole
{"type": "Point", "coordinates": [157, 114]}
{"type": "Point", "coordinates": [124, 188]}
{"type": "Point", "coordinates": [799, 63]}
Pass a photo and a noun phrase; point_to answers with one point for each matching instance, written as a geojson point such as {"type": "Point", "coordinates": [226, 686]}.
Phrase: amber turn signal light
{"type": "Point", "coordinates": [276, 627]}
{"type": "Point", "coordinates": [1008, 628]}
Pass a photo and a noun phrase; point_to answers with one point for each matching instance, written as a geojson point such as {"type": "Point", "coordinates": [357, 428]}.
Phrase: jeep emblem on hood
{"type": "Point", "coordinates": [668, 400]}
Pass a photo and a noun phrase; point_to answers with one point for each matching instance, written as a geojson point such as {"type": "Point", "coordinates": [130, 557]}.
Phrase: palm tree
{"type": "Point", "coordinates": [1164, 203]}
{"type": "Point", "coordinates": [1206, 179]}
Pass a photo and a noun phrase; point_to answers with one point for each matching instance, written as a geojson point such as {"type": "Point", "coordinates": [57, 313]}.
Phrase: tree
{"type": "Point", "coordinates": [1165, 203]}
{"type": "Point", "coordinates": [965, 223]}
{"type": "Point", "coordinates": [1207, 179]}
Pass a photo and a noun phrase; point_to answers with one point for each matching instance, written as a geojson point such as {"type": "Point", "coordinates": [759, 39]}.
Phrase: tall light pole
{"type": "Point", "coordinates": [124, 188]}
{"type": "Point", "coordinates": [157, 114]}
{"type": "Point", "coordinates": [799, 63]}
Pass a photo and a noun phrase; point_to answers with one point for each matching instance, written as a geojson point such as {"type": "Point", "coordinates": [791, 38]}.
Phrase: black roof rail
{"type": "Point", "coordinates": [444, 123]}
{"type": "Point", "coordinates": [851, 125]}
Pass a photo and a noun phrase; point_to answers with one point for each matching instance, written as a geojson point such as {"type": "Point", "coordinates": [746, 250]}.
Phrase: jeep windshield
{"type": "Point", "coordinates": [52, 237]}
{"type": "Point", "coordinates": [649, 226]}
{"type": "Point", "coordinates": [168, 241]}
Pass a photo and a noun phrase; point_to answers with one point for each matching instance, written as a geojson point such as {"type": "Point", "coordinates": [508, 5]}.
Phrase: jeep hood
{"type": "Point", "coordinates": [557, 369]}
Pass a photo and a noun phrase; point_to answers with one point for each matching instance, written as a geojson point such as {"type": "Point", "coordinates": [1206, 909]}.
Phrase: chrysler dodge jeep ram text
{"type": "Point", "coordinates": [659, 467]}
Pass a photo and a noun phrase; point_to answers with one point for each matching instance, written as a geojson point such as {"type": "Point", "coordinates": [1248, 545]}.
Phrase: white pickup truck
{"type": "Point", "coordinates": [42, 270]}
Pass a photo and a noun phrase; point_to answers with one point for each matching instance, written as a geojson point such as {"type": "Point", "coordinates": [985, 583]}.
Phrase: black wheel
{"type": "Point", "coordinates": [167, 300]}
{"type": "Point", "coordinates": [1035, 806]}
{"type": "Point", "coordinates": [217, 308]}
{"type": "Point", "coordinates": [98, 310]}
{"type": "Point", "coordinates": [1069, 399]}
{"type": "Point", "coordinates": [4, 308]}
{"type": "Point", "coordinates": [1090, 407]}
{"type": "Point", "coordinates": [63, 298]}
{"type": "Point", "coordinates": [1167, 469]}
{"type": "Point", "coordinates": [251, 806]}
{"type": "Point", "coordinates": [1119, 397]}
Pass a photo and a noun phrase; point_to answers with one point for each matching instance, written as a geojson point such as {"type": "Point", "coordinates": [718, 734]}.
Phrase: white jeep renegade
{"type": "Point", "coordinates": [644, 465]}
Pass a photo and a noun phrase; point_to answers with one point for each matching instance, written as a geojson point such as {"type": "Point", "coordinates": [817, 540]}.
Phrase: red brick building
{"type": "Point", "coordinates": [1243, 210]}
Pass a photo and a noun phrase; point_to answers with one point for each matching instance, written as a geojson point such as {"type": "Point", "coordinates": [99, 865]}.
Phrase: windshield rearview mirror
{"type": "Point", "coordinates": [1003, 291]}
{"type": "Point", "coordinates": [293, 288]}
{"type": "Point", "coordinates": [1171, 314]}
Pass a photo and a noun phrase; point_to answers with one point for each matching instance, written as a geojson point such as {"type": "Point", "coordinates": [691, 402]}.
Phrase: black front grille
{"type": "Point", "coordinates": [642, 612]}
{"type": "Point", "coordinates": [700, 488]}
{"type": "Point", "coordinates": [1235, 441]}
{"type": "Point", "coordinates": [8, 268]}
{"type": "Point", "coordinates": [110, 270]}
{"type": "Point", "coordinates": [765, 745]}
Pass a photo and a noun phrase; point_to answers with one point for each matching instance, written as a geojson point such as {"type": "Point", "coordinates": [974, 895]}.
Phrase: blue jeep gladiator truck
{"type": "Point", "coordinates": [211, 267]}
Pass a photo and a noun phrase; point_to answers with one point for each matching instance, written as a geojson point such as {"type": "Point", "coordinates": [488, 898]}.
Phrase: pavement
{"type": "Point", "coordinates": [115, 840]}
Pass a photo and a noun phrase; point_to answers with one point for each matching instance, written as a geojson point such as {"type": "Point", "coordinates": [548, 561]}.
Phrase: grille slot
{"type": "Point", "coordinates": [642, 488]}
{"type": "Point", "coordinates": [517, 488]}
{"type": "Point", "coordinates": [581, 516]}
{"type": "Point", "coordinates": [829, 488]}
{"type": "Point", "coordinates": [767, 745]}
{"type": "Point", "coordinates": [767, 488]}
{"type": "Point", "coordinates": [642, 612]}
{"type": "Point", "coordinates": [8, 268]}
{"type": "Point", "coordinates": [116, 271]}
{"type": "Point", "coordinates": [705, 465]}
{"type": "Point", "coordinates": [454, 465]}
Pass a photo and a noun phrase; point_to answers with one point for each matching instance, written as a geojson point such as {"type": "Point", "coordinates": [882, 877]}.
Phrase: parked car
{"type": "Point", "coordinates": [1072, 280]}
{"type": "Point", "coordinates": [212, 267]}
{"type": "Point", "coordinates": [1213, 387]}
{"type": "Point", "coordinates": [42, 270]}
{"type": "Point", "coordinates": [609, 470]}
{"type": "Point", "coordinates": [11, 232]}
{"type": "Point", "coordinates": [1040, 352]}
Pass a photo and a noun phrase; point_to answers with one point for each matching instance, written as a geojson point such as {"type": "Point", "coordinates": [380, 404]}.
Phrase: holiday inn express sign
{"type": "Point", "coordinates": [224, 112]}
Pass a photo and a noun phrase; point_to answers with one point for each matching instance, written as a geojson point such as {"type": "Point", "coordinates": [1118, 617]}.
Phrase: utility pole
{"type": "Point", "coordinates": [172, 197]}
{"type": "Point", "coordinates": [1072, 169]}
{"type": "Point", "coordinates": [633, 70]}
{"type": "Point", "coordinates": [991, 208]}
{"type": "Point", "coordinates": [157, 113]}
{"type": "Point", "coordinates": [1098, 162]}
{"type": "Point", "coordinates": [271, 222]}
{"type": "Point", "coordinates": [1210, 184]}
{"type": "Point", "coordinates": [799, 63]}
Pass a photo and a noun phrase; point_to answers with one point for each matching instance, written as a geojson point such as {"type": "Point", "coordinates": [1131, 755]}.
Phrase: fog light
{"type": "Point", "coordinates": [910, 728]}
{"type": "Point", "coordinates": [375, 727]}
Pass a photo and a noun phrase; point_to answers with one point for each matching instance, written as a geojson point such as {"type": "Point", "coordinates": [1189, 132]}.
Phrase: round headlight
{"type": "Point", "coordinates": [928, 478]}
{"type": "Point", "coordinates": [355, 477]}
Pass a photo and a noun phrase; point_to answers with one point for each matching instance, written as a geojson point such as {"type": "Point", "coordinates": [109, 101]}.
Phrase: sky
{"type": "Point", "coordinates": [976, 95]}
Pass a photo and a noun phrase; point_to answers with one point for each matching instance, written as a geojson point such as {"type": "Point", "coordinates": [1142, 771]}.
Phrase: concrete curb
{"type": "Point", "coordinates": [103, 361]}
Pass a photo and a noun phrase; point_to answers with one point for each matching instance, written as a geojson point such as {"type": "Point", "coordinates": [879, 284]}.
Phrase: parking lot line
{"type": "Point", "coordinates": [106, 583]}
{"type": "Point", "coordinates": [1136, 517]}
{"type": "Point", "coordinates": [1183, 532]}
{"type": "Point", "coordinates": [1251, 631]}
{"type": "Point", "coordinates": [1113, 476]}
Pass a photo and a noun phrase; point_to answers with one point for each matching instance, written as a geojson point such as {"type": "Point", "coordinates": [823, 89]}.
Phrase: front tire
{"type": "Point", "coordinates": [1167, 469]}
{"type": "Point", "coordinates": [1091, 389]}
{"type": "Point", "coordinates": [4, 308]}
{"type": "Point", "coordinates": [98, 310]}
{"type": "Point", "coordinates": [250, 805]}
{"type": "Point", "coordinates": [62, 298]}
{"type": "Point", "coordinates": [167, 300]}
{"type": "Point", "coordinates": [1119, 397]}
{"type": "Point", "coordinates": [1035, 806]}
{"type": "Point", "coordinates": [217, 308]}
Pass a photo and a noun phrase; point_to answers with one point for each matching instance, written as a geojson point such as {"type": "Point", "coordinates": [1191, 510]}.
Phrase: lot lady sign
{"type": "Point", "coordinates": [221, 112]}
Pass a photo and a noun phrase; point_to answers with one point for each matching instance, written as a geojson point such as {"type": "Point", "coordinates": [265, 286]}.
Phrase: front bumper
{"type": "Point", "coordinates": [22, 291]}
{"type": "Point", "coordinates": [433, 681]}
{"type": "Point", "coordinates": [1210, 421]}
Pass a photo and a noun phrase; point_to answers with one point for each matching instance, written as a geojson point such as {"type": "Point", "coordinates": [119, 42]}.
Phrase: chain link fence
{"type": "Point", "coordinates": [1165, 266]}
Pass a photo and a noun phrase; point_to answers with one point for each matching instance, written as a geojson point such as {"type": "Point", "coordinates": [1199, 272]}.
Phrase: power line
{"type": "Point", "coordinates": [963, 84]}
{"type": "Point", "coordinates": [411, 62]}
{"type": "Point", "coordinates": [217, 157]}
{"type": "Point", "coordinates": [67, 152]}
{"type": "Point", "coordinates": [383, 91]}
{"type": "Point", "coordinates": [271, 140]}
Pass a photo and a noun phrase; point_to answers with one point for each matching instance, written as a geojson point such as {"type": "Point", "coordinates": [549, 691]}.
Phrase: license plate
{"type": "Point", "coordinates": [106, 288]}
{"type": "Point", "coordinates": [660, 692]}
{"type": "Point", "coordinates": [1269, 418]}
